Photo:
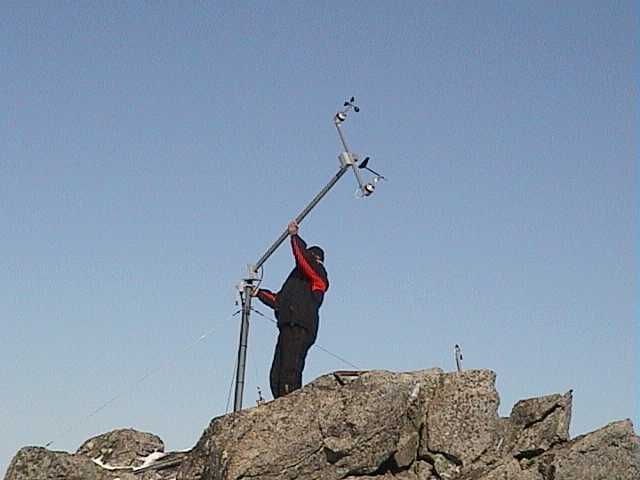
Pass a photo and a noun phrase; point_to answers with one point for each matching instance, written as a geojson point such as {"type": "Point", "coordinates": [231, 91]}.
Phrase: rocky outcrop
{"type": "Point", "coordinates": [326, 430]}
{"type": "Point", "coordinates": [35, 463]}
{"type": "Point", "coordinates": [537, 424]}
{"type": "Point", "coordinates": [461, 420]}
{"type": "Point", "coordinates": [425, 425]}
{"type": "Point", "coordinates": [121, 448]}
{"type": "Point", "coordinates": [613, 452]}
{"type": "Point", "coordinates": [117, 455]}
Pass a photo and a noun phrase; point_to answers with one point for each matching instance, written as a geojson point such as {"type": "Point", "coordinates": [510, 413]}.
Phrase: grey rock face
{"type": "Point", "coordinates": [124, 447]}
{"type": "Point", "coordinates": [111, 456]}
{"type": "Point", "coordinates": [325, 430]}
{"type": "Point", "coordinates": [534, 426]}
{"type": "Point", "coordinates": [611, 453]}
{"type": "Point", "coordinates": [35, 463]}
{"type": "Point", "coordinates": [511, 470]}
{"type": "Point", "coordinates": [463, 415]}
{"type": "Point", "coordinates": [539, 423]}
{"type": "Point", "coordinates": [425, 425]}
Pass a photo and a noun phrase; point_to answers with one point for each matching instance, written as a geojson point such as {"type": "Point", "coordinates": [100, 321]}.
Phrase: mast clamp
{"type": "Point", "coordinates": [347, 159]}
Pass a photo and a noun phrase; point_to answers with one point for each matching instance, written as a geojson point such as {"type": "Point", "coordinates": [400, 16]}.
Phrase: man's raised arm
{"type": "Point", "coordinates": [306, 262]}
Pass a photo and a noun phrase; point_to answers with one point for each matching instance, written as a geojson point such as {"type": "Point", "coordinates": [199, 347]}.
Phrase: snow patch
{"type": "Point", "coordinates": [151, 458]}
{"type": "Point", "coordinates": [414, 392]}
{"type": "Point", "coordinates": [98, 461]}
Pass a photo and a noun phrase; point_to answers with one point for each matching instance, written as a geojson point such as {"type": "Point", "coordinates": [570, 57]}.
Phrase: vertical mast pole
{"type": "Point", "coordinates": [244, 340]}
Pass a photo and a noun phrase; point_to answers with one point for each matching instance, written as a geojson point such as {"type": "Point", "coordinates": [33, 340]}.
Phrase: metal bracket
{"type": "Point", "coordinates": [250, 279]}
{"type": "Point", "coordinates": [347, 159]}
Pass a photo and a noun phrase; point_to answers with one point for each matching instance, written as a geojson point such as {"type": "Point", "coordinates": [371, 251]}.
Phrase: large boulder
{"type": "Point", "coordinates": [122, 448]}
{"type": "Point", "coordinates": [330, 429]}
{"type": "Point", "coordinates": [535, 425]}
{"type": "Point", "coordinates": [540, 423]}
{"type": "Point", "coordinates": [462, 418]}
{"type": "Point", "coordinates": [37, 463]}
{"type": "Point", "coordinates": [118, 455]}
{"type": "Point", "coordinates": [611, 453]}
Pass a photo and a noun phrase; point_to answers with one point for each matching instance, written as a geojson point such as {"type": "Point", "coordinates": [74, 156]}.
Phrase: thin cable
{"type": "Point", "coordinates": [315, 345]}
{"type": "Point", "coordinates": [129, 388]}
{"type": "Point", "coordinates": [337, 356]}
{"type": "Point", "coordinates": [233, 377]}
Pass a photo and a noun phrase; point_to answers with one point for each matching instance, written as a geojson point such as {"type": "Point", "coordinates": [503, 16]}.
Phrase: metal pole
{"type": "Point", "coordinates": [248, 288]}
{"type": "Point", "coordinates": [337, 123]}
{"type": "Point", "coordinates": [242, 349]}
{"type": "Point", "coordinates": [458, 353]}
{"type": "Point", "coordinates": [301, 216]}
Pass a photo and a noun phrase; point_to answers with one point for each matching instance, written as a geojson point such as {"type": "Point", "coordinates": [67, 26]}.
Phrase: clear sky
{"type": "Point", "coordinates": [150, 150]}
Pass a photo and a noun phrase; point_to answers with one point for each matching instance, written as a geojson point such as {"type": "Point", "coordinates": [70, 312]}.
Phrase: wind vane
{"type": "Point", "coordinates": [347, 160]}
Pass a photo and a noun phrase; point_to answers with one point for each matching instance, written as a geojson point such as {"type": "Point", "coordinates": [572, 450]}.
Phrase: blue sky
{"type": "Point", "coordinates": [149, 151]}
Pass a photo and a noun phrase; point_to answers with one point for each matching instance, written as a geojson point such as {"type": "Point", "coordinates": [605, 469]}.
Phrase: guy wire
{"type": "Point", "coordinates": [151, 372]}
{"type": "Point", "coordinates": [233, 376]}
{"type": "Point", "coordinates": [129, 388]}
{"type": "Point", "coordinates": [315, 345]}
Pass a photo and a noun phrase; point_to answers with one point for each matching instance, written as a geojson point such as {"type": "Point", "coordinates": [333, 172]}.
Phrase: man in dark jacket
{"type": "Point", "coordinates": [296, 307]}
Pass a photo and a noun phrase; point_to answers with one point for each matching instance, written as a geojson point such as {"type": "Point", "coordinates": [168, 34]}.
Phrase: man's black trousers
{"type": "Point", "coordinates": [293, 344]}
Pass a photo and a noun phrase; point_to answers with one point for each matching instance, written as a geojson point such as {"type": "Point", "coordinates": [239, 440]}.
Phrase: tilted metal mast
{"type": "Point", "coordinates": [347, 160]}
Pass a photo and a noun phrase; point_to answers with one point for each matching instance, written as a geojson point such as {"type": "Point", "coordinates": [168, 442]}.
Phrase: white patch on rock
{"type": "Point", "coordinates": [414, 392]}
{"type": "Point", "coordinates": [150, 459]}
{"type": "Point", "coordinates": [98, 461]}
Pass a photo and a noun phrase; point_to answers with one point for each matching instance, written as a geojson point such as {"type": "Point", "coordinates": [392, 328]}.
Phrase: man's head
{"type": "Point", "coordinates": [317, 252]}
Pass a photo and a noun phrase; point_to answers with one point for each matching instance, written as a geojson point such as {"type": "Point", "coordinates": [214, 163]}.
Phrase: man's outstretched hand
{"type": "Point", "coordinates": [292, 228]}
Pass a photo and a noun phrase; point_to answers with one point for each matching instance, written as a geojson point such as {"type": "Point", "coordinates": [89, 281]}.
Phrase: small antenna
{"type": "Point", "coordinates": [458, 353]}
{"type": "Point", "coordinates": [260, 399]}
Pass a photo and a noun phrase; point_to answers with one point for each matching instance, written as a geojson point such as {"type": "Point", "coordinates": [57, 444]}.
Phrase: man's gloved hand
{"type": "Point", "coordinates": [292, 228]}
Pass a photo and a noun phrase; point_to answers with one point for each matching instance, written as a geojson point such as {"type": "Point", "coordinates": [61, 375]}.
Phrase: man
{"type": "Point", "coordinates": [296, 307]}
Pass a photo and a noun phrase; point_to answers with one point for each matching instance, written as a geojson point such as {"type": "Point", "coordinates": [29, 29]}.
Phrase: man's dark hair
{"type": "Point", "coordinates": [317, 251]}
